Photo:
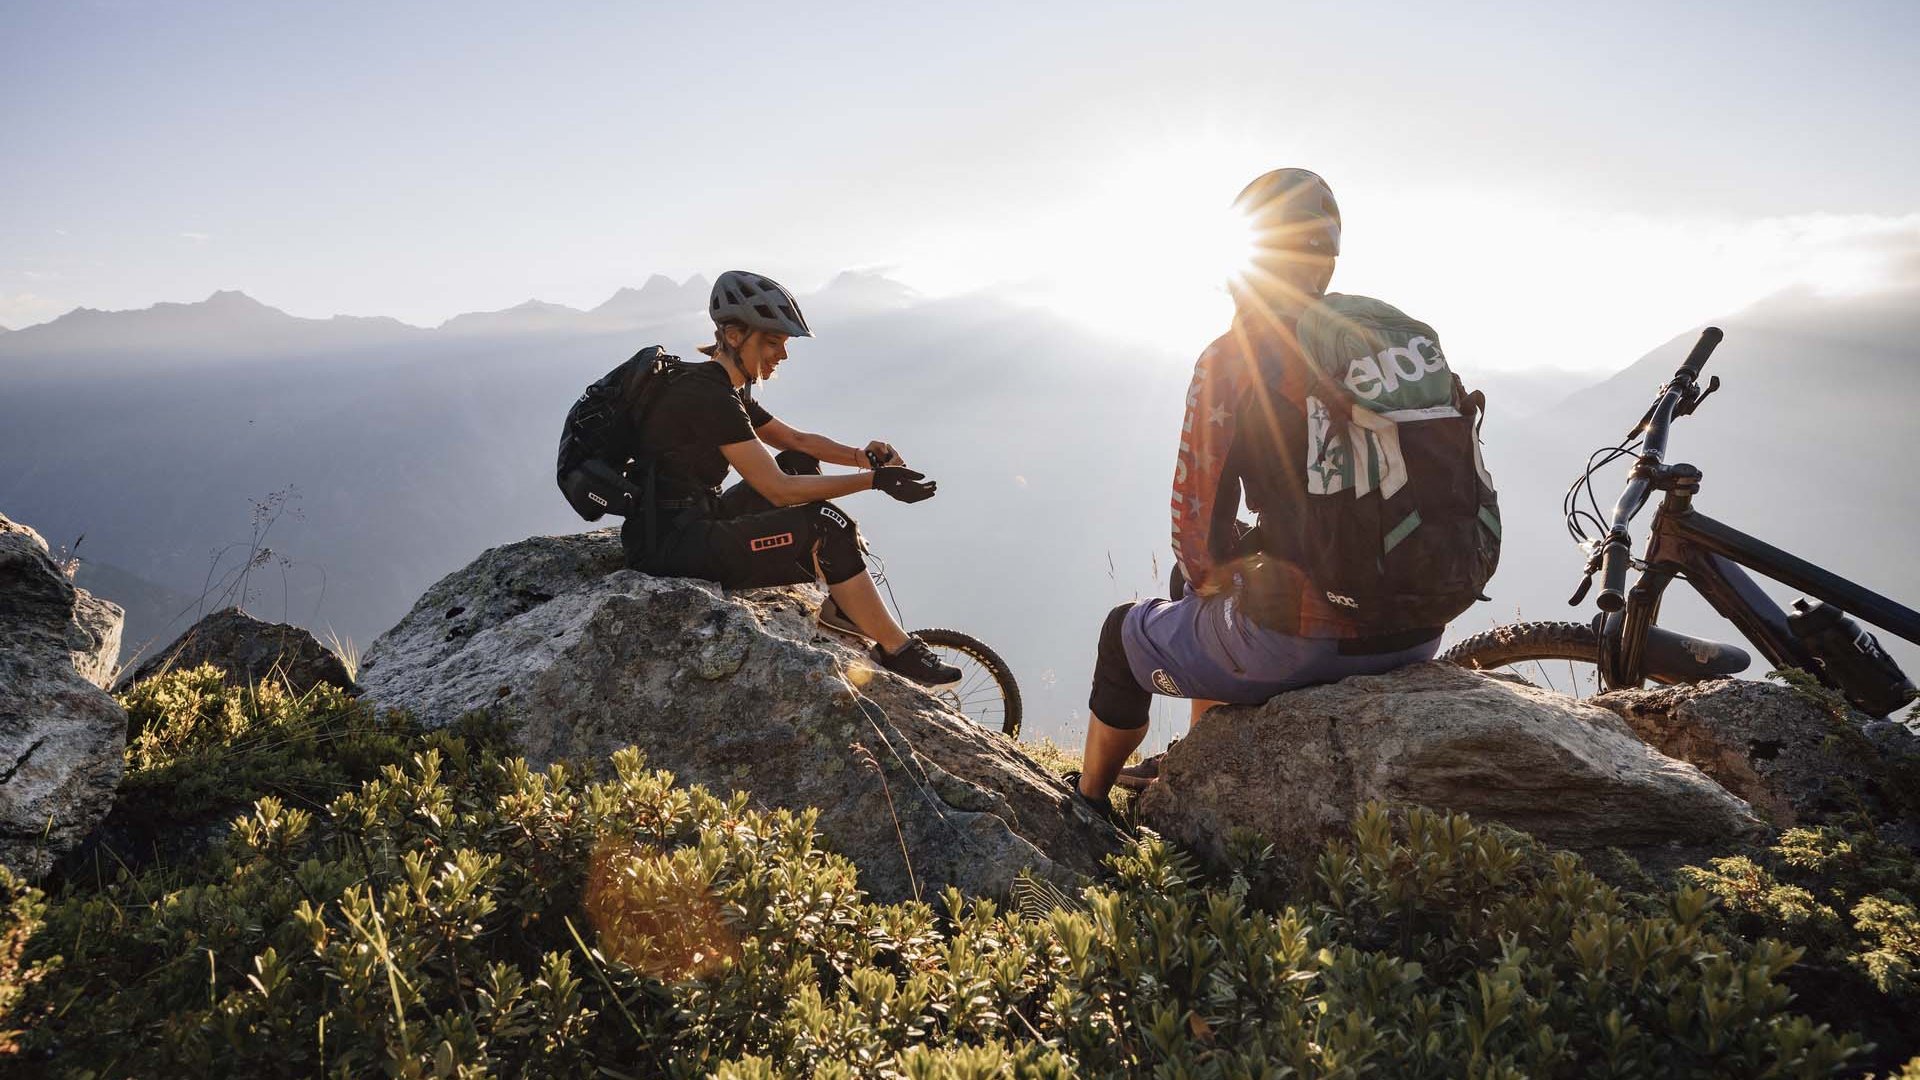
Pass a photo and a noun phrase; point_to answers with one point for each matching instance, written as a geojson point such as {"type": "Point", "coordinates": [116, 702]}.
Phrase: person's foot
{"type": "Point", "coordinates": [915, 660]}
{"type": "Point", "coordinates": [1137, 777]}
{"type": "Point", "coordinates": [1101, 808]}
{"type": "Point", "coordinates": [833, 618]}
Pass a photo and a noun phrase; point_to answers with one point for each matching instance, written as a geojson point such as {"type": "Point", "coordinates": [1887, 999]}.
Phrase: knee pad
{"type": "Point", "coordinates": [1112, 648]}
{"type": "Point", "coordinates": [838, 543]}
{"type": "Point", "coordinates": [1117, 698]}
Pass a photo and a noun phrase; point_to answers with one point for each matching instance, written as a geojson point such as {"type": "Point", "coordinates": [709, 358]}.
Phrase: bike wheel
{"type": "Point", "coordinates": [1535, 651]}
{"type": "Point", "coordinates": [986, 692]}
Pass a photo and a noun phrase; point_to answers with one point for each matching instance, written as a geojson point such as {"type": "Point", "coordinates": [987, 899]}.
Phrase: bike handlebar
{"type": "Point", "coordinates": [1617, 555]}
{"type": "Point", "coordinates": [1697, 359]}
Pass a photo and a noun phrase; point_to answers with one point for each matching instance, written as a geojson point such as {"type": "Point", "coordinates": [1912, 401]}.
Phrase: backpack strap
{"type": "Point", "coordinates": [1332, 395]}
{"type": "Point", "coordinates": [670, 371]}
{"type": "Point", "coordinates": [1476, 401]}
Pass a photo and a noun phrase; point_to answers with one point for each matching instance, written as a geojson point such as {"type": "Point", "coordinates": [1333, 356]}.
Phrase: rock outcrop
{"type": "Point", "coordinates": [1797, 759]}
{"type": "Point", "coordinates": [98, 625]}
{"type": "Point", "coordinates": [740, 692]}
{"type": "Point", "coordinates": [1297, 768]}
{"type": "Point", "coordinates": [249, 651]}
{"type": "Point", "coordinates": [62, 738]}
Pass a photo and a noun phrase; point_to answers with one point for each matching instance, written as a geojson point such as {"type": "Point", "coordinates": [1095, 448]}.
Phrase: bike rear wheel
{"type": "Point", "coordinates": [1535, 651]}
{"type": "Point", "coordinates": [986, 692]}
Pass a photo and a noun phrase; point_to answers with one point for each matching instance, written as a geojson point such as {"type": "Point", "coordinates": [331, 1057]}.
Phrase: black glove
{"type": "Point", "coordinates": [903, 483]}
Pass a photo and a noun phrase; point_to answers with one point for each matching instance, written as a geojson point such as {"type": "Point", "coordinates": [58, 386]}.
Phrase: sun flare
{"type": "Point", "coordinates": [1148, 253]}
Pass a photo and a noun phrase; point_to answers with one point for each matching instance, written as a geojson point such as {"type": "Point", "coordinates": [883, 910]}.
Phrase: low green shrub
{"type": "Point", "coordinates": [467, 916]}
{"type": "Point", "coordinates": [459, 914]}
{"type": "Point", "coordinates": [1851, 902]}
{"type": "Point", "coordinates": [196, 744]}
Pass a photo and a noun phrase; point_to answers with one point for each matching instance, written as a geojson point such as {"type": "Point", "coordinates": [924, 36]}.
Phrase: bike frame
{"type": "Point", "coordinates": [1714, 559]}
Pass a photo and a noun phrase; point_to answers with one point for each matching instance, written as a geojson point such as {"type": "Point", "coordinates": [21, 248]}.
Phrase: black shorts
{"type": "Point", "coordinates": [745, 542]}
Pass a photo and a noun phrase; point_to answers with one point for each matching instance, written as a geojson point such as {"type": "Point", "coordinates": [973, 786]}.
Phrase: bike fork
{"type": "Point", "coordinates": [1624, 655]}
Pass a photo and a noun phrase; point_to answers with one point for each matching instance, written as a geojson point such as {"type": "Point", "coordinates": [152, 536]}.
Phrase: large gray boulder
{"type": "Point", "coordinates": [62, 738]}
{"type": "Point", "coordinates": [735, 692]}
{"type": "Point", "coordinates": [1798, 759]}
{"type": "Point", "coordinates": [249, 651]}
{"type": "Point", "coordinates": [1298, 768]}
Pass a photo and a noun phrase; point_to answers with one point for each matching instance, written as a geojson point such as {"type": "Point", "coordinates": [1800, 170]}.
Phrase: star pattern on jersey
{"type": "Point", "coordinates": [1219, 416]}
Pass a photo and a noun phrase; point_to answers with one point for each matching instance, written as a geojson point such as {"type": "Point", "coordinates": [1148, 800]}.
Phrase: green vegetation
{"type": "Point", "coordinates": [1847, 900]}
{"type": "Point", "coordinates": [457, 914]}
{"type": "Point", "coordinates": [196, 745]}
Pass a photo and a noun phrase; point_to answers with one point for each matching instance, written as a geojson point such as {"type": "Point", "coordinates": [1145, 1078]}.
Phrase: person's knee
{"type": "Point", "coordinates": [836, 541]}
{"type": "Point", "coordinates": [1117, 699]}
{"type": "Point", "coordinates": [797, 463]}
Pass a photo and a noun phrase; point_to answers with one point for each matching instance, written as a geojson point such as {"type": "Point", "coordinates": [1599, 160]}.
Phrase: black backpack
{"type": "Point", "coordinates": [1401, 527]}
{"type": "Point", "coordinates": [600, 436]}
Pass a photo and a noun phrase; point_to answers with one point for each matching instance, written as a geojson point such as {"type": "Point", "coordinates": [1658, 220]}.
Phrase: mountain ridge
{"type": "Point", "coordinates": [230, 321]}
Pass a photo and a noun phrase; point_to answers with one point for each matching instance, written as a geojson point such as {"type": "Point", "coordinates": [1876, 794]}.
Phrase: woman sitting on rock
{"type": "Point", "coordinates": [776, 527]}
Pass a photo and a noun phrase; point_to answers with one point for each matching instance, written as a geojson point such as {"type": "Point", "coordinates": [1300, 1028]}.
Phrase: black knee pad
{"type": "Point", "coordinates": [838, 543]}
{"type": "Point", "coordinates": [1117, 698]}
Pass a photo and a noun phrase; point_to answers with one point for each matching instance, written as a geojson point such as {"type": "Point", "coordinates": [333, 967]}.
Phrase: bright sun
{"type": "Point", "coordinates": [1149, 251]}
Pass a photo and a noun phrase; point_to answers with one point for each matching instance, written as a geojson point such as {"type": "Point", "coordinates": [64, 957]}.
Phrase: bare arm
{"type": "Point", "coordinates": [782, 436]}
{"type": "Point", "coordinates": [761, 473]}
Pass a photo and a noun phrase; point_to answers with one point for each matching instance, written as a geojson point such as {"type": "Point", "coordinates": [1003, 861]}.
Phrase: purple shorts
{"type": "Point", "coordinates": [1199, 647]}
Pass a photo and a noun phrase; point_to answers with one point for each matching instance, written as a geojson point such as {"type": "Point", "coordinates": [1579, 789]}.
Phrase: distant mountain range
{"type": "Point", "coordinates": [409, 450]}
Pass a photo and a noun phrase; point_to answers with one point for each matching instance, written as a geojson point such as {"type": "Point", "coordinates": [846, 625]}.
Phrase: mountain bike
{"type": "Point", "coordinates": [1623, 645]}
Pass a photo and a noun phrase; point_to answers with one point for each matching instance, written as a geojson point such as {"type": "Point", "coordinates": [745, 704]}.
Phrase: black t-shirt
{"type": "Point", "coordinates": [697, 413]}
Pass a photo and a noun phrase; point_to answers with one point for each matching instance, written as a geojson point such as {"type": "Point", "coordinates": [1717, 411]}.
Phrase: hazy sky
{"type": "Point", "coordinates": [1547, 183]}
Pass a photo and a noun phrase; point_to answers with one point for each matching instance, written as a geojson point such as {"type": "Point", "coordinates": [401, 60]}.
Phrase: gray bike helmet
{"type": "Point", "coordinates": [1292, 209]}
{"type": "Point", "coordinates": [759, 302]}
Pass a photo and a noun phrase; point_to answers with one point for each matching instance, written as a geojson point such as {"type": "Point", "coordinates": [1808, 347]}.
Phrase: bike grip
{"type": "Point", "coordinates": [1613, 589]}
{"type": "Point", "coordinates": [1697, 359]}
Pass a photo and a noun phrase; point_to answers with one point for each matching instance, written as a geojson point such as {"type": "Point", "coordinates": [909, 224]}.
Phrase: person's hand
{"type": "Point", "coordinates": [879, 453]}
{"type": "Point", "coordinates": [903, 484]}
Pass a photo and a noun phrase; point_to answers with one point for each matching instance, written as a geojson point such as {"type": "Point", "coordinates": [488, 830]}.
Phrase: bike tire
{"type": "Point", "coordinates": [1520, 642]}
{"type": "Point", "coordinates": [973, 697]}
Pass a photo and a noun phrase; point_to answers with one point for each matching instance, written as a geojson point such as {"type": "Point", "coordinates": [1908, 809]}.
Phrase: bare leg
{"type": "Point", "coordinates": [1107, 750]}
{"type": "Point", "coordinates": [1200, 707]}
{"type": "Point", "coordinates": [860, 601]}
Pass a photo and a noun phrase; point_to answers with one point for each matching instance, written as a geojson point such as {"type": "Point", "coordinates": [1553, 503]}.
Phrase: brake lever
{"type": "Point", "coordinates": [1579, 594]}
{"type": "Point", "coordinates": [1586, 580]}
{"type": "Point", "coordinates": [1713, 383]}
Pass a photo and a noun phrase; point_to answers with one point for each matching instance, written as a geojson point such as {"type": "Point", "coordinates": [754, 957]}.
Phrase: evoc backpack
{"type": "Point", "coordinates": [1401, 527]}
{"type": "Point", "coordinates": [600, 436]}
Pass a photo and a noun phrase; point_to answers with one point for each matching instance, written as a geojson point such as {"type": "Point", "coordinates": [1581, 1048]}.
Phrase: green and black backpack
{"type": "Point", "coordinates": [1401, 527]}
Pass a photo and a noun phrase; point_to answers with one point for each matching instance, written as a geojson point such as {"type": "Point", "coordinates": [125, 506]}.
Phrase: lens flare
{"type": "Point", "coordinates": [657, 912]}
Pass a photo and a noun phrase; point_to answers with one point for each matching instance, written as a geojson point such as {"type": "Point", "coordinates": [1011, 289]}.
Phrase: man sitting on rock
{"type": "Point", "coordinates": [1257, 617]}
{"type": "Point", "coordinates": [776, 526]}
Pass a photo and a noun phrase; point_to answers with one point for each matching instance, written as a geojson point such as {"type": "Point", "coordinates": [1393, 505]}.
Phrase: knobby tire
{"type": "Point", "coordinates": [975, 691]}
{"type": "Point", "coordinates": [1519, 642]}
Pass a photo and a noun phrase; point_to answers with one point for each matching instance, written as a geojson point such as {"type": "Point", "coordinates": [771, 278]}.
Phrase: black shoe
{"type": "Point", "coordinates": [1137, 777]}
{"type": "Point", "coordinates": [1100, 808]}
{"type": "Point", "coordinates": [916, 661]}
